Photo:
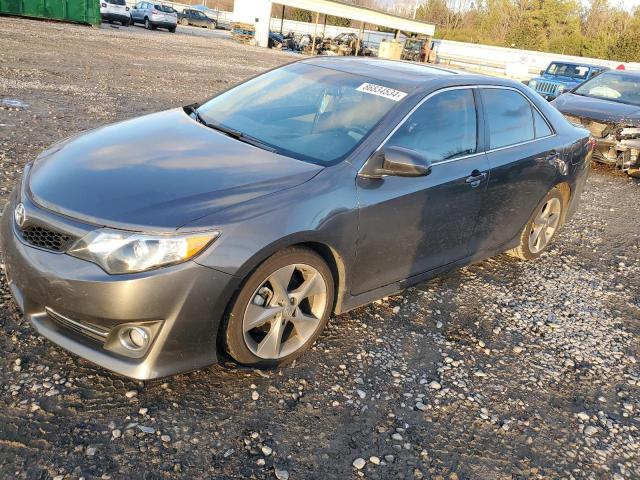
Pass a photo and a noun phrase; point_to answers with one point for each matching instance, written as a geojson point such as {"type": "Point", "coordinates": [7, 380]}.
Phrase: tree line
{"type": "Point", "coordinates": [596, 29]}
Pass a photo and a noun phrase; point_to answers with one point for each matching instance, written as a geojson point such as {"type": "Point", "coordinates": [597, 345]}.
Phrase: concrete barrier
{"type": "Point", "coordinates": [487, 57]}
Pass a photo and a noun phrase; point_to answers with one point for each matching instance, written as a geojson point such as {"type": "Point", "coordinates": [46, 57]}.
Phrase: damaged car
{"type": "Point", "coordinates": [233, 229]}
{"type": "Point", "coordinates": [609, 107]}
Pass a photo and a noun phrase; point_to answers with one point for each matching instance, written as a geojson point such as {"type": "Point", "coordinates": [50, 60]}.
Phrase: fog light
{"type": "Point", "coordinates": [134, 338]}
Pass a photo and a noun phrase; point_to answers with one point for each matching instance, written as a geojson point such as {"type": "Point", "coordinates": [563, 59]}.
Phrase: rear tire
{"type": "Point", "coordinates": [288, 299]}
{"type": "Point", "coordinates": [184, 22]}
{"type": "Point", "coordinates": [172, 29]}
{"type": "Point", "coordinates": [541, 228]}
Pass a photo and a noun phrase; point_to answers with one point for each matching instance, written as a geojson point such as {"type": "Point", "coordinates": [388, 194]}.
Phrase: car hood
{"type": "Point", "coordinates": [597, 109]}
{"type": "Point", "coordinates": [157, 172]}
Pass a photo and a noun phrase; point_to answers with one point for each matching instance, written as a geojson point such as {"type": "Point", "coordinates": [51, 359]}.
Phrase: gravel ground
{"type": "Point", "coordinates": [499, 370]}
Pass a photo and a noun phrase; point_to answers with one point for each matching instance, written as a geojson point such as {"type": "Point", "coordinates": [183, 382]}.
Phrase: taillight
{"type": "Point", "coordinates": [592, 143]}
{"type": "Point", "coordinates": [102, 4]}
{"type": "Point", "coordinates": [154, 12]}
{"type": "Point", "coordinates": [126, 8]}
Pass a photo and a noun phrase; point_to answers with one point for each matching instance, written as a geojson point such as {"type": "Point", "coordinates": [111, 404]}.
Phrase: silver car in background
{"type": "Point", "coordinates": [154, 15]}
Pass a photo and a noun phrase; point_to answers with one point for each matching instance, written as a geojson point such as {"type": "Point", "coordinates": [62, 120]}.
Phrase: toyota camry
{"type": "Point", "coordinates": [239, 226]}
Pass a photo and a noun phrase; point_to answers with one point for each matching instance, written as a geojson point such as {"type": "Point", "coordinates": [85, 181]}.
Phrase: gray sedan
{"type": "Point", "coordinates": [239, 226]}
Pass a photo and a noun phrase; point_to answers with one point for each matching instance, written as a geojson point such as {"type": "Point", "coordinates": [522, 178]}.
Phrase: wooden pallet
{"type": "Point", "coordinates": [243, 32]}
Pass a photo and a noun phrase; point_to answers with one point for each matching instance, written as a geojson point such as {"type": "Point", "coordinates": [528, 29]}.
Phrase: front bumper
{"type": "Point", "coordinates": [184, 303]}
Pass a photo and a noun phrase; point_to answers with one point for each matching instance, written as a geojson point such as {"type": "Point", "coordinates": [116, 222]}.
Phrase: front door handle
{"type": "Point", "coordinates": [476, 178]}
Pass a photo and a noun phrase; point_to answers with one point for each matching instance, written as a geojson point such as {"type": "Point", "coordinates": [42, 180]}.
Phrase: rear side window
{"type": "Point", "coordinates": [509, 117]}
{"type": "Point", "coordinates": [542, 128]}
{"type": "Point", "coordinates": [443, 127]}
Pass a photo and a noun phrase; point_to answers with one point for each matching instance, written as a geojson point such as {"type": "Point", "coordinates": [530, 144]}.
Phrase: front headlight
{"type": "Point", "coordinates": [118, 251]}
{"type": "Point", "coordinates": [560, 89]}
{"type": "Point", "coordinates": [533, 84]}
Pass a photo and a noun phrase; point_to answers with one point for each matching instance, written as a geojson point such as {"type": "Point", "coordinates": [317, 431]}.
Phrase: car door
{"type": "Point", "coordinates": [408, 226]}
{"type": "Point", "coordinates": [134, 11]}
{"type": "Point", "coordinates": [524, 159]}
{"type": "Point", "coordinates": [138, 11]}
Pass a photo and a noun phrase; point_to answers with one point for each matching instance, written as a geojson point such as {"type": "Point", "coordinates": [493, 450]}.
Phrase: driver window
{"type": "Point", "coordinates": [442, 128]}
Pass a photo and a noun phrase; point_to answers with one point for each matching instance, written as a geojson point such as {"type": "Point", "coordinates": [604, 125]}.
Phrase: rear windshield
{"type": "Point", "coordinates": [568, 70]}
{"type": "Point", "coordinates": [163, 8]}
{"type": "Point", "coordinates": [117, 2]}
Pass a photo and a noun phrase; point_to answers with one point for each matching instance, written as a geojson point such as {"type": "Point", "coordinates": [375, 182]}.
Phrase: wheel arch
{"type": "Point", "coordinates": [334, 260]}
{"type": "Point", "coordinates": [566, 192]}
{"type": "Point", "coordinates": [330, 254]}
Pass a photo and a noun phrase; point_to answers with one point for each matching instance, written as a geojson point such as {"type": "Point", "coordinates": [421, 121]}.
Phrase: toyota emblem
{"type": "Point", "coordinates": [20, 215]}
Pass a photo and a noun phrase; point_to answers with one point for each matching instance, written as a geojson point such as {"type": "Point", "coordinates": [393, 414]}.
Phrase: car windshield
{"type": "Point", "coordinates": [613, 86]}
{"type": "Point", "coordinates": [568, 70]}
{"type": "Point", "coordinates": [304, 111]}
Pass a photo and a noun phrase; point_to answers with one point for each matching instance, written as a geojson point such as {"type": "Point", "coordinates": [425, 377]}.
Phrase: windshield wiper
{"type": "Point", "coordinates": [237, 134]}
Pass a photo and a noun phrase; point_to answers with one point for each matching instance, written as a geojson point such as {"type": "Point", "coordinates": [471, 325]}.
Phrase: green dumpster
{"type": "Point", "coordinates": [81, 11]}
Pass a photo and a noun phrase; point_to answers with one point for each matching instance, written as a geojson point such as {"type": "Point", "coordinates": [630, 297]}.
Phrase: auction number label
{"type": "Point", "coordinates": [386, 92]}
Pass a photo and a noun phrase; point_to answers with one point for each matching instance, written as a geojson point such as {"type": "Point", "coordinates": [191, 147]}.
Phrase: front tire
{"type": "Point", "coordinates": [281, 309]}
{"type": "Point", "coordinates": [541, 227]}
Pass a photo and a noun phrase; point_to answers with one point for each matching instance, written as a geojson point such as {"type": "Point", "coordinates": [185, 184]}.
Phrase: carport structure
{"type": "Point", "coordinates": [258, 13]}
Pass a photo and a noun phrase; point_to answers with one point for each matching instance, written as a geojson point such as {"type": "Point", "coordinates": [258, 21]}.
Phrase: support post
{"type": "Point", "coordinates": [282, 19]}
{"type": "Point", "coordinates": [359, 40]}
{"type": "Point", "coordinates": [315, 32]}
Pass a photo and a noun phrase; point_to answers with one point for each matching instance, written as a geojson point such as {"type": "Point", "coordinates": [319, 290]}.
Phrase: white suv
{"type": "Point", "coordinates": [155, 15]}
{"type": "Point", "coordinates": [117, 10]}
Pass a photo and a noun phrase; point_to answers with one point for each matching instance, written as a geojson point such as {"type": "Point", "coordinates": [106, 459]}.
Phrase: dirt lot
{"type": "Point", "coordinates": [500, 370]}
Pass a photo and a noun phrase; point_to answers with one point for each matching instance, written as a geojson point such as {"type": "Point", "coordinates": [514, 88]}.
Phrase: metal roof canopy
{"type": "Point", "coordinates": [363, 14]}
{"type": "Point", "coordinates": [258, 13]}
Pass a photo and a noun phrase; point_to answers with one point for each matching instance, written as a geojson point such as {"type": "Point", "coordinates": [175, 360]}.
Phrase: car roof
{"type": "Point", "coordinates": [408, 74]}
{"type": "Point", "coordinates": [591, 65]}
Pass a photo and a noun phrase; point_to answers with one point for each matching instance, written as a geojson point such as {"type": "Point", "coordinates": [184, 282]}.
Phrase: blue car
{"type": "Point", "coordinates": [561, 77]}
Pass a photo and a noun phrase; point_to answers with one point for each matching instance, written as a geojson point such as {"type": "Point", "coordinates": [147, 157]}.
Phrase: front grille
{"type": "Point", "coordinates": [546, 87]}
{"type": "Point", "coordinates": [45, 238]}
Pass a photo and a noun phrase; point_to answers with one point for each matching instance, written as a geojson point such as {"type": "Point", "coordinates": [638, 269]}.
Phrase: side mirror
{"type": "Point", "coordinates": [542, 72]}
{"type": "Point", "coordinates": [397, 162]}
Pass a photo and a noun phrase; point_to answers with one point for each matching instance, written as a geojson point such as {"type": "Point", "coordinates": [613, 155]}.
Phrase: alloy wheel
{"type": "Point", "coordinates": [545, 225]}
{"type": "Point", "coordinates": [285, 311]}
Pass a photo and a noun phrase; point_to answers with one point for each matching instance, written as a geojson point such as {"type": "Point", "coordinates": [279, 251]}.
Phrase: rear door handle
{"type": "Point", "coordinates": [476, 178]}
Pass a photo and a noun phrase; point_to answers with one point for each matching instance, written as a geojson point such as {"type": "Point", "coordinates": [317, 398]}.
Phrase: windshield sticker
{"type": "Point", "coordinates": [386, 92]}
